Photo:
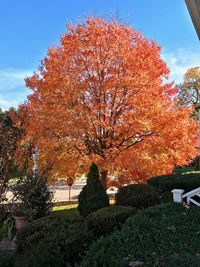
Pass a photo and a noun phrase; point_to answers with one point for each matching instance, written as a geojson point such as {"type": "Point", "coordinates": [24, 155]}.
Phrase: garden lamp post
{"type": "Point", "coordinates": [35, 160]}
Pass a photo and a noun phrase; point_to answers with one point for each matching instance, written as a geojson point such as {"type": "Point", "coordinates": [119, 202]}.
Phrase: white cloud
{"type": "Point", "coordinates": [10, 79]}
{"type": "Point", "coordinates": [12, 87]}
{"type": "Point", "coordinates": [13, 91]}
{"type": "Point", "coordinates": [179, 61]}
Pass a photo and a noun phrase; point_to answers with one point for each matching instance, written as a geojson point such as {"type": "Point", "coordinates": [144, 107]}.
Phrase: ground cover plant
{"type": "Point", "coordinates": [164, 236]}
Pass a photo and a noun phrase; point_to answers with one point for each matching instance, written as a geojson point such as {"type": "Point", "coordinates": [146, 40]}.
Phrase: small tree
{"type": "Point", "coordinates": [93, 196]}
{"type": "Point", "coordinates": [9, 137]}
{"type": "Point", "coordinates": [34, 194]}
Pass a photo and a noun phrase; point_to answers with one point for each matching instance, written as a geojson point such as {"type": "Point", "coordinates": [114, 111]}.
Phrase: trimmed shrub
{"type": "Point", "coordinates": [93, 195]}
{"type": "Point", "coordinates": [35, 195]}
{"type": "Point", "coordinates": [7, 259]}
{"type": "Point", "coordinates": [62, 238]}
{"type": "Point", "coordinates": [103, 221]}
{"type": "Point", "coordinates": [62, 248]}
{"type": "Point", "coordinates": [167, 235]}
{"type": "Point", "coordinates": [40, 228]}
{"type": "Point", "coordinates": [137, 195]}
{"type": "Point", "coordinates": [56, 240]}
{"type": "Point", "coordinates": [166, 183]}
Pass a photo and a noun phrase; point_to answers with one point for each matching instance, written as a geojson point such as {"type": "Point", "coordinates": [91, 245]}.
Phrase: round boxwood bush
{"type": "Point", "coordinates": [137, 195]}
{"type": "Point", "coordinates": [105, 220]}
{"type": "Point", "coordinates": [62, 247]}
{"type": "Point", "coordinates": [46, 226]}
{"type": "Point", "coordinates": [167, 235]}
{"type": "Point", "coordinates": [56, 240]}
{"type": "Point", "coordinates": [62, 238]}
{"type": "Point", "coordinates": [93, 195]}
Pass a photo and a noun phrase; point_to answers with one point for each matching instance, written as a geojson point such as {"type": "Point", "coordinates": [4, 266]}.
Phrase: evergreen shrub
{"type": "Point", "coordinates": [105, 220]}
{"type": "Point", "coordinates": [137, 195]}
{"type": "Point", "coordinates": [167, 235]}
{"type": "Point", "coordinates": [93, 195]}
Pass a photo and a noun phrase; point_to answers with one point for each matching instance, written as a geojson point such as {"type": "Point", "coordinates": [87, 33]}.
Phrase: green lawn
{"type": "Point", "coordinates": [64, 207]}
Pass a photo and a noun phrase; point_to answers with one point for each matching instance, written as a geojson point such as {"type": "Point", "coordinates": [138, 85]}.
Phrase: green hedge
{"type": "Point", "coordinates": [63, 247]}
{"type": "Point", "coordinates": [137, 195]}
{"type": "Point", "coordinates": [7, 259]}
{"type": "Point", "coordinates": [167, 235]}
{"type": "Point", "coordinates": [166, 183]}
{"type": "Point", "coordinates": [40, 228]}
{"type": "Point", "coordinates": [103, 221]}
{"type": "Point", "coordinates": [62, 238]}
{"type": "Point", "coordinates": [55, 240]}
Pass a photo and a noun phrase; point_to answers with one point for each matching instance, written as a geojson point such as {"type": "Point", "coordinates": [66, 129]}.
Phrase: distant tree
{"type": "Point", "coordinates": [189, 90]}
{"type": "Point", "coordinates": [189, 95]}
{"type": "Point", "coordinates": [93, 195]}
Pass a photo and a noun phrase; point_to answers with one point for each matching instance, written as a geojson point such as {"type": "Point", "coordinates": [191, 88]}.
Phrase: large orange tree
{"type": "Point", "coordinates": [99, 97]}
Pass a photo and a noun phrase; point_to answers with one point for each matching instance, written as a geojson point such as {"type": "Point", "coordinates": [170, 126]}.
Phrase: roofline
{"type": "Point", "coordinates": [194, 10]}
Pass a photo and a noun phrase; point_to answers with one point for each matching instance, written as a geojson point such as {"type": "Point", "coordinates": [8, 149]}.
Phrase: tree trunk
{"type": "Point", "coordinates": [104, 175]}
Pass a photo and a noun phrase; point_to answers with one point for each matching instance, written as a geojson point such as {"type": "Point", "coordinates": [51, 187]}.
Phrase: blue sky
{"type": "Point", "coordinates": [28, 28]}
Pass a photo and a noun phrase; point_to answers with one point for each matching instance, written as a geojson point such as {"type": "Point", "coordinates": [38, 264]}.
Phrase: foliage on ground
{"type": "Point", "coordinates": [163, 236]}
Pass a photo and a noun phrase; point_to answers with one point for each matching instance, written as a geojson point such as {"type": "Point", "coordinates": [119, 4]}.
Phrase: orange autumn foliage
{"type": "Point", "coordinates": [99, 96]}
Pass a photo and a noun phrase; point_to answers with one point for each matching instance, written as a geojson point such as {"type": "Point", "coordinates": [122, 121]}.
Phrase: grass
{"type": "Point", "coordinates": [64, 207]}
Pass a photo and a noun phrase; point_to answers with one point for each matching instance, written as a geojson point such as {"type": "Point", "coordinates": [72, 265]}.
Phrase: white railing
{"type": "Point", "coordinates": [179, 196]}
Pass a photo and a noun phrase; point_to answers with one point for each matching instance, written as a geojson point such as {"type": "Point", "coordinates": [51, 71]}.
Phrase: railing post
{"type": "Point", "coordinates": [177, 195]}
